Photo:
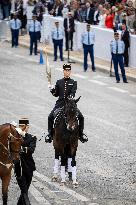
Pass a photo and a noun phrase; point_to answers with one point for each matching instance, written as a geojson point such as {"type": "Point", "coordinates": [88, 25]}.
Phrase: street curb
{"type": "Point", "coordinates": [98, 66]}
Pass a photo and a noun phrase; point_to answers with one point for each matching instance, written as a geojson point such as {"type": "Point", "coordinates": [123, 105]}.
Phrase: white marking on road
{"type": "Point", "coordinates": [37, 195]}
{"type": "Point", "coordinates": [39, 185]}
{"type": "Point", "coordinates": [24, 102]}
{"type": "Point", "coordinates": [97, 82]}
{"type": "Point", "coordinates": [26, 58]}
{"type": "Point", "coordinates": [106, 122]}
{"type": "Point", "coordinates": [118, 89]}
{"type": "Point", "coordinates": [132, 95]}
{"type": "Point", "coordinates": [63, 188]}
{"type": "Point", "coordinates": [9, 52]}
{"type": "Point", "coordinates": [79, 76]}
{"type": "Point", "coordinates": [93, 204]}
{"type": "Point", "coordinates": [19, 56]}
{"type": "Point", "coordinates": [98, 76]}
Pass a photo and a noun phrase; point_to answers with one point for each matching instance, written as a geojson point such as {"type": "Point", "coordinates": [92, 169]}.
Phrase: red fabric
{"type": "Point", "coordinates": [109, 21]}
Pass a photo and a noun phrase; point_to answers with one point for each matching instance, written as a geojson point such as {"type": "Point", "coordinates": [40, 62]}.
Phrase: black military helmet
{"type": "Point", "coordinates": [67, 67]}
{"type": "Point", "coordinates": [23, 121]}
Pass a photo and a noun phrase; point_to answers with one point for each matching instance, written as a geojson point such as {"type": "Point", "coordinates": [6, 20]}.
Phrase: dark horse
{"type": "Point", "coordinates": [65, 139]}
{"type": "Point", "coordinates": [10, 145]}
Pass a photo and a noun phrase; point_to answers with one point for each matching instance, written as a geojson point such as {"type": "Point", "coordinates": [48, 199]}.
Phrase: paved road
{"type": "Point", "coordinates": [106, 164]}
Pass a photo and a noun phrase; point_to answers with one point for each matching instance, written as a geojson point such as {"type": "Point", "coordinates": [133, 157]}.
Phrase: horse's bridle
{"type": "Point", "coordinates": [8, 149]}
{"type": "Point", "coordinates": [65, 119]}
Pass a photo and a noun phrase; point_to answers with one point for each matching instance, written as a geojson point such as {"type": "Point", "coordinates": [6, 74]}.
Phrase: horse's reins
{"type": "Point", "coordinates": [9, 150]}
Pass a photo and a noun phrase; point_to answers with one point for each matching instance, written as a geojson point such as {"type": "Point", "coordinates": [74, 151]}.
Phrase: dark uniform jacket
{"type": "Point", "coordinates": [91, 16]}
{"type": "Point", "coordinates": [64, 88]}
{"type": "Point", "coordinates": [27, 161]}
{"type": "Point", "coordinates": [126, 38]}
{"type": "Point", "coordinates": [71, 24]}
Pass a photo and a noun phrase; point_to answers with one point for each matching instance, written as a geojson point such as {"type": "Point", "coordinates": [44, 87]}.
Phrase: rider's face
{"type": "Point", "coordinates": [67, 73]}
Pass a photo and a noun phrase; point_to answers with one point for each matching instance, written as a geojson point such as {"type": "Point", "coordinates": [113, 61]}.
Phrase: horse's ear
{"type": "Point", "coordinates": [77, 99]}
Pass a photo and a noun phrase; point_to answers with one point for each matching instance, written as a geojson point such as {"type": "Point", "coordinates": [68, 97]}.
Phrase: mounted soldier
{"type": "Point", "coordinates": [64, 88]}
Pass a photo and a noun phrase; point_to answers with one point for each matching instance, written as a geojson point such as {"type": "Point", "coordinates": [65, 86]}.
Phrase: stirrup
{"type": "Point", "coordinates": [82, 138]}
{"type": "Point", "coordinates": [48, 138]}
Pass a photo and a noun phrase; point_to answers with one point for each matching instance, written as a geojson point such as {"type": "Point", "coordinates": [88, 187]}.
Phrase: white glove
{"type": "Point", "coordinates": [20, 131]}
{"type": "Point", "coordinates": [50, 86]}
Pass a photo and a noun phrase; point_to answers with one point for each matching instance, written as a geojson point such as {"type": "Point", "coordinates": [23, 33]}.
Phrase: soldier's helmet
{"type": "Point", "coordinates": [67, 67]}
{"type": "Point", "coordinates": [24, 121]}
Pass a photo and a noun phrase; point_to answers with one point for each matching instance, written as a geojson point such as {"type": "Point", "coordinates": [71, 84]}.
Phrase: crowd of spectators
{"type": "Point", "coordinates": [109, 14]}
{"type": "Point", "coordinates": [104, 13]}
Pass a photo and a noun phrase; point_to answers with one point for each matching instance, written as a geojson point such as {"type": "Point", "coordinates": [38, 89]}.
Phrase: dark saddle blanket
{"type": "Point", "coordinates": [58, 111]}
{"type": "Point", "coordinates": [58, 114]}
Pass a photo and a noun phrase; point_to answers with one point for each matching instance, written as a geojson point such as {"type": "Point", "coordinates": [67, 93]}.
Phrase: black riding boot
{"type": "Point", "coordinates": [82, 137]}
{"type": "Point", "coordinates": [25, 199]}
{"type": "Point", "coordinates": [49, 137]}
{"type": "Point", "coordinates": [5, 200]}
{"type": "Point", "coordinates": [20, 200]}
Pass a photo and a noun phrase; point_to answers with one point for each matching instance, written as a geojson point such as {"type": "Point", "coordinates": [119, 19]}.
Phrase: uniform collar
{"type": "Point", "coordinates": [66, 79]}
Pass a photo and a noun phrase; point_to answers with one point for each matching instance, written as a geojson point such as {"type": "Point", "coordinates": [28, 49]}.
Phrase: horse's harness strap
{"type": "Point", "coordinates": [8, 165]}
{"type": "Point", "coordinates": [4, 147]}
{"type": "Point", "coordinates": [8, 149]}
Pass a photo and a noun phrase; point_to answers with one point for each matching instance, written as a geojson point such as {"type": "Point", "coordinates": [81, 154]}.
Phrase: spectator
{"type": "Point", "coordinates": [57, 9]}
{"type": "Point", "coordinates": [130, 11]}
{"type": "Point", "coordinates": [82, 13]}
{"type": "Point", "coordinates": [118, 18]}
{"type": "Point", "coordinates": [6, 5]}
{"type": "Point", "coordinates": [102, 18]}
{"type": "Point", "coordinates": [22, 16]}
{"type": "Point", "coordinates": [125, 37]}
{"type": "Point", "coordinates": [109, 19]}
{"type": "Point", "coordinates": [78, 11]}
{"type": "Point", "coordinates": [69, 27]}
{"type": "Point", "coordinates": [97, 14]}
{"type": "Point", "coordinates": [89, 17]}
{"type": "Point", "coordinates": [66, 9]}
{"type": "Point", "coordinates": [1, 10]}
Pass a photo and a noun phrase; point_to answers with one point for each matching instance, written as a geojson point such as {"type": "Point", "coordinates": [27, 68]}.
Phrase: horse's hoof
{"type": "Point", "coordinates": [75, 184]}
{"type": "Point", "coordinates": [54, 179]}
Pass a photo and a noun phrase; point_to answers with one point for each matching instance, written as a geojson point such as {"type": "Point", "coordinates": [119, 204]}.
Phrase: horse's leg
{"type": "Point", "coordinates": [69, 168]}
{"type": "Point", "coordinates": [56, 166]}
{"type": "Point", "coordinates": [73, 164]}
{"type": "Point", "coordinates": [68, 162]}
{"type": "Point", "coordinates": [63, 164]}
{"type": "Point", "coordinates": [5, 184]}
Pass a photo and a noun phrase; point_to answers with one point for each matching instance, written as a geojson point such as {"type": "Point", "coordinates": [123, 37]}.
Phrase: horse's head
{"type": "Point", "coordinates": [71, 113]}
{"type": "Point", "coordinates": [14, 144]}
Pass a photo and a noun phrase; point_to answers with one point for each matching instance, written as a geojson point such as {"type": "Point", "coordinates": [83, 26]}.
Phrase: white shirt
{"type": "Point", "coordinates": [102, 20]}
{"type": "Point", "coordinates": [114, 44]}
{"type": "Point", "coordinates": [84, 38]}
{"type": "Point", "coordinates": [57, 34]}
{"type": "Point", "coordinates": [15, 24]}
{"type": "Point", "coordinates": [32, 27]}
